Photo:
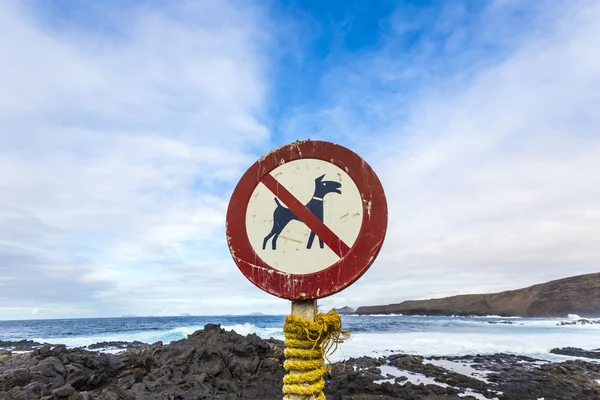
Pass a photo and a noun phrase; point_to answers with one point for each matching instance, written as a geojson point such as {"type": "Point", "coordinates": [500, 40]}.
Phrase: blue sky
{"type": "Point", "coordinates": [126, 125]}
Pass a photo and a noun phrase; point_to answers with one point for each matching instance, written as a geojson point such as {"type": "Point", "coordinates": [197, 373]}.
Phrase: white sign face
{"type": "Point", "coordinates": [283, 241]}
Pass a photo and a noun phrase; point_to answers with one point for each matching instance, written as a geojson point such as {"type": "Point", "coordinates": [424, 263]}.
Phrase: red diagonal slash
{"type": "Point", "coordinates": [306, 216]}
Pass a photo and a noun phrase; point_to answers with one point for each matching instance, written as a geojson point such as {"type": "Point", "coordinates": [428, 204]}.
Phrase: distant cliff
{"type": "Point", "coordinates": [345, 310]}
{"type": "Point", "coordinates": [575, 295]}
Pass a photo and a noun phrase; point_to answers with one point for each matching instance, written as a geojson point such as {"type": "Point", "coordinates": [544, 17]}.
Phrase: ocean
{"type": "Point", "coordinates": [371, 336]}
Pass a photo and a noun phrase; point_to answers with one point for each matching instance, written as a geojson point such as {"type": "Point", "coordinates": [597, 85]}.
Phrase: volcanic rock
{"type": "Point", "coordinates": [576, 352]}
{"type": "Point", "coordinates": [214, 363]}
{"type": "Point", "coordinates": [118, 345]}
{"type": "Point", "coordinates": [20, 345]}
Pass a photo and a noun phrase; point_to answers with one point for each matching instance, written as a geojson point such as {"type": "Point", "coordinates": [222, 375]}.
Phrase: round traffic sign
{"type": "Point", "coordinates": [306, 220]}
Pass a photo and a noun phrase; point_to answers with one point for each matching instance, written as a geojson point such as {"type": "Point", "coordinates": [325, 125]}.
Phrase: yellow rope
{"type": "Point", "coordinates": [307, 345]}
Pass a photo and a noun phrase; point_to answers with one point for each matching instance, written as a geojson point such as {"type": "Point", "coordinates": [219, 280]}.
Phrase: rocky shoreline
{"type": "Point", "coordinates": [217, 364]}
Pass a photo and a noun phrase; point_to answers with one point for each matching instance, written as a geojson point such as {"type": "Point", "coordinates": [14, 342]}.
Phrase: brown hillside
{"type": "Point", "coordinates": [575, 295]}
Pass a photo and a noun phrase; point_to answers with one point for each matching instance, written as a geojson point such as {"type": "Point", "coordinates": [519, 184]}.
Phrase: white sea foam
{"type": "Point", "coordinates": [459, 344]}
{"type": "Point", "coordinates": [416, 379]}
{"type": "Point", "coordinates": [478, 396]}
{"type": "Point", "coordinates": [462, 368]}
{"type": "Point", "coordinates": [165, 336]}
{"type": "Point", "coordinates": [247, 328]}
{"type": "Point", "coordinates": [373, 315]}
{"type": "Point", "coordinates": [535, 338]}
{"type": "Point", "coordinates": [412, 377]}
{"type": "Point", "coordinates": [554, 323]}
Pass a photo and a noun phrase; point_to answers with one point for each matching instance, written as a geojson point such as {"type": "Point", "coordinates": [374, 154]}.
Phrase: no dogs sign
{"type": "Point", "coordinates": [306, 220]}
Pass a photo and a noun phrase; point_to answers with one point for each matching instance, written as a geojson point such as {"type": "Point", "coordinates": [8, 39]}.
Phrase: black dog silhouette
{"type": "Point", "coordinates": [282, 215]}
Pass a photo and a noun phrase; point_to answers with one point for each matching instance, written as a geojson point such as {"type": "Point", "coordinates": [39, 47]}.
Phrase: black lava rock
{"type": "Point", "coordinates": [217, 364]}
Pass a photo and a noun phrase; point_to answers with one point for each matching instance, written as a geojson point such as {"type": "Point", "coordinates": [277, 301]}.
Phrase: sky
{"type": "Point", "coordinates": [125, 126]}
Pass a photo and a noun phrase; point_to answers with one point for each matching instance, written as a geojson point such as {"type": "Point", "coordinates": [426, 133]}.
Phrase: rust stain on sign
{"type": "Point", "coordinates": [290, 239]}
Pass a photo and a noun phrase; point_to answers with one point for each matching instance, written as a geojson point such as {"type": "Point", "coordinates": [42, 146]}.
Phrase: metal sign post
{"type": "Point", "coordinates": [306, 221]}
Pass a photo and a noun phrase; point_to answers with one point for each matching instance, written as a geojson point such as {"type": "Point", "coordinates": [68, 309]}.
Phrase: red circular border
{"type": "Point", "coordinates": [346, 270]}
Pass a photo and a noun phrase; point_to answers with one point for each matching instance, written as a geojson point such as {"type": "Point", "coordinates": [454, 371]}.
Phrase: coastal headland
{"type": "Point", "coordinates": [578, 295]}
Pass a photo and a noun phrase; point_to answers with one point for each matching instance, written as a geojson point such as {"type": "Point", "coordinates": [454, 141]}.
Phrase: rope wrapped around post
{"type": "Point", "coordinates": [307, 345]}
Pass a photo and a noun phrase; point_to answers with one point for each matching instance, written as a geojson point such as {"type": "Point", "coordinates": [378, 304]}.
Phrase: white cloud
{"type": "Point", "coordinates": [493, 184]}
{"type": "Point", "coordinates": [119, 145]}
{"type": "Point", "coordinates": [116, 144]}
